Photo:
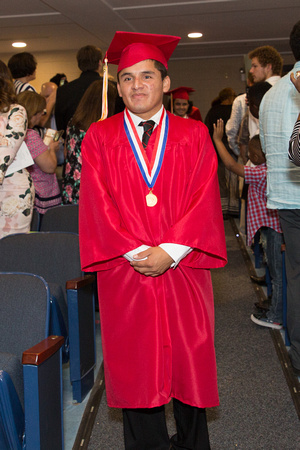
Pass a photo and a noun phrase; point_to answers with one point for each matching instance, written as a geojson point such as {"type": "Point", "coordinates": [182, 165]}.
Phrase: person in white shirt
{"type": "Point", "coordinates": [239, 109]}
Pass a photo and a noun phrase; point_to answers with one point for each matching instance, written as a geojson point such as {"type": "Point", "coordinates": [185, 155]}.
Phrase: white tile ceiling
{"type": "Point", "coordinates": [229, 27]}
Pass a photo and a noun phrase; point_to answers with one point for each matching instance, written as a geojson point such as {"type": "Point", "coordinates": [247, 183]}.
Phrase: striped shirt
{"type": "Point", "coordinates": [258, 215]}
{"type": "Point", "coordinates": [22, 87]}
{"type": "Point", "coordinates": [294, 146]}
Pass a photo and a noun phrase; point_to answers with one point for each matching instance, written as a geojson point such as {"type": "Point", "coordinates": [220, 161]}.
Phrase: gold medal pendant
{"type": "Point", "coordinates": [151, 199]}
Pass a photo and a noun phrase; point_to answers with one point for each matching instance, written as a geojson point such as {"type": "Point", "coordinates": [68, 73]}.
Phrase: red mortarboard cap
{"type": "Point", "coordinates": [181, 92]}
{"type": "Point", "coordinates": [127, 49]}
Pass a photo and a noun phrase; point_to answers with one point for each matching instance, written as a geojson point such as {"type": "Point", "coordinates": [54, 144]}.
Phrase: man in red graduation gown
{"type": "Point", "coordinates": [151, 226]}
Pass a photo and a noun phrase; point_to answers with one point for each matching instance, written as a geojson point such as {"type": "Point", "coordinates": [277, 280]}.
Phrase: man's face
{"type": "Point", "coordinates": [180, 107]}
{"type": "Point", "coordinates": [142, 88]}
{"type": "Point", "coordinates": [259, 72]}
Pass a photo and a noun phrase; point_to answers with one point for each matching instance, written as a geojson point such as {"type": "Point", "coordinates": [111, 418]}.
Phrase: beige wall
{"type": "Point", "coordinates": [206, 76]}
{"type": "Point", "coordinates": [49, 64]}
{"type": "Point", "coordinates": [209, 76]}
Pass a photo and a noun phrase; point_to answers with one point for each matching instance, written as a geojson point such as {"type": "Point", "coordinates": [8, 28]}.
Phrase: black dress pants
{"type": "Point", "coordinates": [146, 429]}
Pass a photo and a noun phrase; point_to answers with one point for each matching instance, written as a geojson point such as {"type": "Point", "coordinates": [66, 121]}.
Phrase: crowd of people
{"type": "Point", "coordinates": [141, 242]}
{"type": "Point", "coordinates": [52, 170]}
{"type": "Point", "coordinates": [264, 147]}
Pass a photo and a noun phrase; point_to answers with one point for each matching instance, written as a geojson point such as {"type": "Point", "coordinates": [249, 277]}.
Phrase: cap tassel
{"type": "Point", "coordinates": [171, 103]}
{"type": "Point", "coordinates": [104, 91]}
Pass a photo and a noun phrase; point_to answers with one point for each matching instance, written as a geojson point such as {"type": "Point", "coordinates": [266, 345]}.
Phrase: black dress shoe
{"type": "Point", "coordinates": [259, 280]}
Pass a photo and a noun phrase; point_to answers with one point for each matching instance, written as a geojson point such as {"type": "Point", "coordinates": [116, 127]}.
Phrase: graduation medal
{"type": "Point", "coordinates": [151, 199]}
{"type": "Point", "coordinates": [148, 169]}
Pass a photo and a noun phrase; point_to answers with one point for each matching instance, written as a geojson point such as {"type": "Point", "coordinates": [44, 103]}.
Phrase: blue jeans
{"type": "Point", "coordinates": [271, 241]}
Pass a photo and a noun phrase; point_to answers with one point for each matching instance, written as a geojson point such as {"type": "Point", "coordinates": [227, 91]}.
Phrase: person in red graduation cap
{"type": "Point", "coordinates": [181, 105]}
{"type": "Point", "coordinates": [151, 227]}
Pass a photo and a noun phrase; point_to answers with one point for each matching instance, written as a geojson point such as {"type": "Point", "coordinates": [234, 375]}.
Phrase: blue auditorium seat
{"type": "Point", "coordinates": [31, 412]}
{"type": "Point", "coordinates": [55, 257]}
{"type": "Point", "coordinates": [61, 218]}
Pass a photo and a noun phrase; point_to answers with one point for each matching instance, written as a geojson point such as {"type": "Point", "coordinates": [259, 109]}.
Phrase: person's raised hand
{"type": "Point", "coordinates": [218, 130]}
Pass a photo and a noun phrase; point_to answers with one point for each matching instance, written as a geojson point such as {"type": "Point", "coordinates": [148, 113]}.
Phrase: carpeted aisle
{"type": "Point", "coordinates": [256, 409]}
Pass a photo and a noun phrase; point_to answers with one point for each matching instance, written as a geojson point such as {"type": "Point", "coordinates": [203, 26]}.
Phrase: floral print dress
{"type": "Point", "coordinates": [71, 182]}
{"type": "Point", "coordinates": [16, 189]}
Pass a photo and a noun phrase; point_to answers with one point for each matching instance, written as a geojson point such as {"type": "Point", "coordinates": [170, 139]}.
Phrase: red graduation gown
{"type": "Point", "coordinates": [157, 332]}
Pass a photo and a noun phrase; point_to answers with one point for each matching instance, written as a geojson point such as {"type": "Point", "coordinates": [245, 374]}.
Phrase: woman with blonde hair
{"type": "Point", "coordinates": [47, 192]}
{"type": "Point", "coordinates": [16, 186]}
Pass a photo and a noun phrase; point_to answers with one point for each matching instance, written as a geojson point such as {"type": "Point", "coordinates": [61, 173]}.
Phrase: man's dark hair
{"type": "Point", "coordinates": [257, 91]}
{"type": "Point", "coordinates": [295, 41]}
{"type": "Point", "coordinates": [22, 65]}
{"type": "Point", "coordinates": [226, 94]}
{"type": "Point", "coordinates": [268, 55]}
{"type": "Point", "coordinates": [88, 58]}
{"type": "Point", "coordinates": [159, 66]}
{"type": "Point", "coordinates": [255, 145]}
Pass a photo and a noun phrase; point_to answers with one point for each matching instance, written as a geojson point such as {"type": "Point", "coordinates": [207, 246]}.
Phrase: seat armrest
{"type": "Point", "coordinates": [80, 282]}
{"type": "Point", "coordinates": [81, 317]}
{"type": "Point", "coordinates": [42, 372]}
{"type": "Point", "coordinates": [37, 354]}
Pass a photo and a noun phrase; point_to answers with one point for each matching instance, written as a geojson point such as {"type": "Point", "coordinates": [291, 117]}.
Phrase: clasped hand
{"type": "Point", "coordinates": [158, 261]}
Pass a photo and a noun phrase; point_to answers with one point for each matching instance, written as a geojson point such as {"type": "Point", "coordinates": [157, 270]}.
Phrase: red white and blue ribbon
{"type": "Point", "coordinates": [149, 169]}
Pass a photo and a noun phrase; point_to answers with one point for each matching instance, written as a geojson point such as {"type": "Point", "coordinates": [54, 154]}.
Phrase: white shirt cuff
{"type": "Point", "coordinates": [176, 251]}
{"type": "Point", "coordinates": [129, 255]}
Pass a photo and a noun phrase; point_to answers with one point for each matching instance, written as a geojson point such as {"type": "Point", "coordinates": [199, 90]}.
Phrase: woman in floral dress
{"type": "Point", "coordinates": [16, 189]}
{"type": "Point", "coordinates": [71, 182]}
{"type": "Point", "coordinates": [87, 112]}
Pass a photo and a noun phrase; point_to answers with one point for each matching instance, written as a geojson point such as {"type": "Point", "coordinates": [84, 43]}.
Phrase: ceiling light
{"type": "Point", "coordinates": [19, 44]}
{"type": "Point", "coordinates": [195, 35]}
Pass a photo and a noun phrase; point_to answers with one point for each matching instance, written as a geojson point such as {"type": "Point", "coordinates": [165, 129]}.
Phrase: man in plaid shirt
{"type": "Point", "coordinates": [259, 217]}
